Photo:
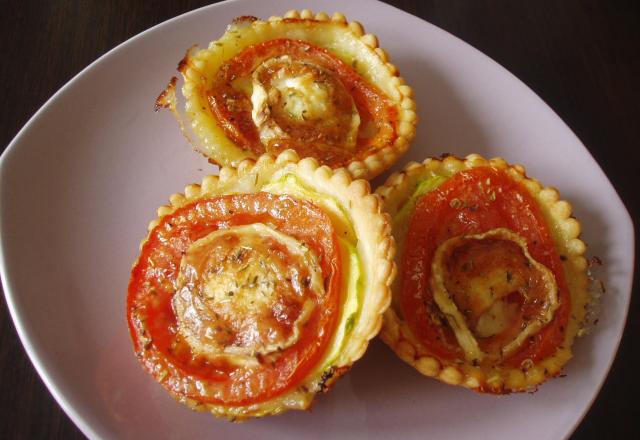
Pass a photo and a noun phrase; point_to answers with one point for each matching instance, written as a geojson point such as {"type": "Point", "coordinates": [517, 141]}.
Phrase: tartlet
{"type": "Point", "coordinates": [257, 289]}
{"type": "Point", "coordinates": [492, 284]}
{"type": "Point", "coordinates": [310, 82]}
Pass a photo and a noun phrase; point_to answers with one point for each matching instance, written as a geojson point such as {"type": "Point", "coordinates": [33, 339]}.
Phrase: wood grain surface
{"type": "Point", "coordinates": [581, 57]}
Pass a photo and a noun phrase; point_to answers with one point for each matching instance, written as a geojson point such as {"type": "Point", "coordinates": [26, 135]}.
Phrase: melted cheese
{"type": "Point", "coordinates": [495, 320]}
{"type": "Point", "coordinates": [246, 290]}
{"type": "Point", "coordinates": [475, 300]}
{"type": "Point", "coordinates": [305, 98]}
{"type": "Point", "coordinates": [292, 99]}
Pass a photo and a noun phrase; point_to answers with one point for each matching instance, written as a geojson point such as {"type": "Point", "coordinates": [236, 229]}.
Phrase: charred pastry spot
{"type": "Point", "coordinates": [324, 379]}
{"type": "Point", "coordinates": [244, 19]}
{"type": "Point", "coordinates": [166, 99]}
{"type": "Point", "coordinates": [184, 62]}
{"type": "Point", "coordinates": [595, 261]}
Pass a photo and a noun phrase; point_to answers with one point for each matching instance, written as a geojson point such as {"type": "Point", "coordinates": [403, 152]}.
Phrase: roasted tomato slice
{"type": "Point", "coordinates": [234, 298]}
{"type": "Point", "coordinates": [497, 267]}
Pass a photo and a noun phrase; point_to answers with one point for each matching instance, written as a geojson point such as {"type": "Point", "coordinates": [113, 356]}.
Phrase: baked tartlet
{"type": "Point", "coordinates": [492, 283]}
{"type": "Point", "coordinates": [314, 83]}
{"type": "Point", "coordinates": [257, 289]}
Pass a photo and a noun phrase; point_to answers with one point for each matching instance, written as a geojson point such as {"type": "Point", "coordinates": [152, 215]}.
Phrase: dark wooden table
{"type": "Point", "coordinates": [581, 57]}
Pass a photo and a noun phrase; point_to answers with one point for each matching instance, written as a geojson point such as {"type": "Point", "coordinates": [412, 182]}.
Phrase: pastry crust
{"type": "Point", "coordinates": [346, 40]}
{"type": "Point", "coordinates": [375, 248]}
{"type": "Point", "coordinates": [564, 230]}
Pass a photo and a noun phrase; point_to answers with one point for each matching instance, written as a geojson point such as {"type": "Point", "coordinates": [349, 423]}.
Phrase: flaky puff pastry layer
{"type": "Point", "coordinates": [375, 249]}
{"type": "Point", "coordinates": [564, 230]}
{"type": "Point", "coordinates": [345, 39]}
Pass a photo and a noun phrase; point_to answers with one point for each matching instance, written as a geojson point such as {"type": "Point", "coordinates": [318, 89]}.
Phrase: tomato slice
{"type": "Point", "coordinates": [472, 202]}
{"type": "Point", "coordinates": [232, 108]}
{"type": "Point", "coordinates": [152, 320]}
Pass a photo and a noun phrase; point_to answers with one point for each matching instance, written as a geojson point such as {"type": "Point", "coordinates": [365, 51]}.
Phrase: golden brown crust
{"type": "Point", "coordinates": [565, 231]}
{"type": "Point", "coordinates": [375, 248]}
{"type": "Point", "coordinates": [199, 67]}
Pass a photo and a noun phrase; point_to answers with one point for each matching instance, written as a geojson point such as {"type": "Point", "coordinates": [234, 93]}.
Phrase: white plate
{"type": "Point", "coordinates": [82, 179]}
